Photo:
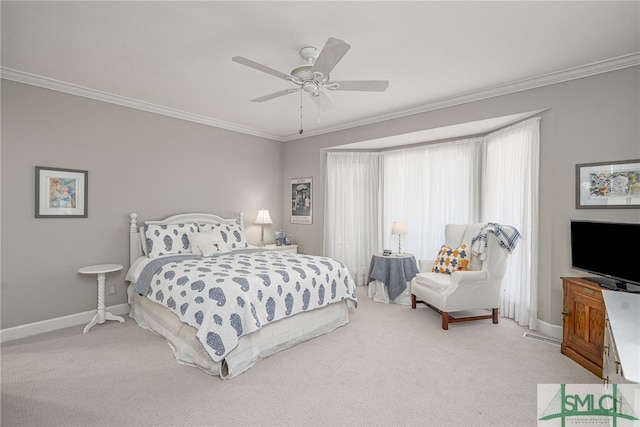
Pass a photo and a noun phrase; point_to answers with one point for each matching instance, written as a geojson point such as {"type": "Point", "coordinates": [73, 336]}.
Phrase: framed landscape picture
{"type": "Point", "coordinates": [608, 185]}
{"type": "Point", "coordinates": [61, 193]}
{"type": "Point", "coordinates": [301, 200]}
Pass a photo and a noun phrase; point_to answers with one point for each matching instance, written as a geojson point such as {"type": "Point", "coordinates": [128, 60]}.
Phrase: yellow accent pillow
{"type": "Point", "coordinates": [450, 260]}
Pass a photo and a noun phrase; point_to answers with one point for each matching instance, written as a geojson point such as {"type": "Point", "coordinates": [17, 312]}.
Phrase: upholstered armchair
{"type": "Point", "coordinates": [477, 288]}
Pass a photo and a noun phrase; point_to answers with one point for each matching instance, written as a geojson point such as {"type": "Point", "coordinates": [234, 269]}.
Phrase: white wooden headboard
{"type": "Point", "coordinates": [135, 240]}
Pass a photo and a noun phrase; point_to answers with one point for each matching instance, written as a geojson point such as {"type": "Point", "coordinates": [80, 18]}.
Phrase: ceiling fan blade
{"type": "Point", "coordinates": [330, 55]}
{"type": "Point", "coordinates": [322, 101]}
{"type": "Point", "coordinates": [275, 95]}
{"type": "Point", "coordinates": [363, 85]}
{"type": "Point", "coordinates": [260, 67]}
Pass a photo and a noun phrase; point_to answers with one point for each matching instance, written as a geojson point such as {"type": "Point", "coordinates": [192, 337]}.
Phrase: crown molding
{"type": "Point", "coordinates": [70, 88]}
{"type": "Point", "coordinates": [600, 67]}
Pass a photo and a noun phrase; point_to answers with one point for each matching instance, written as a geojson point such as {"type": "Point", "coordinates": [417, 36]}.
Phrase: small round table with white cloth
{"type": "Point", "coordinates": [389, 277]}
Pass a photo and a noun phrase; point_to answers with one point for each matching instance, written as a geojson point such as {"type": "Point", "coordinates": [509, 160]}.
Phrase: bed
{"type": "Point", "coordinates": [223, 304]}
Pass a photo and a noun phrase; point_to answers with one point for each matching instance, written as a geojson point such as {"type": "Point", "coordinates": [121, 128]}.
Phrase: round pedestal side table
{"type": "Point", "coordinates": [101, 270]}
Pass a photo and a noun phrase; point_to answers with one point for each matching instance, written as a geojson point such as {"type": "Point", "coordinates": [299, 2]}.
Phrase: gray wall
{"type": "Point", "coordinates": [138, 162]}
{"type": "Point", "coordinates": [588, 120]}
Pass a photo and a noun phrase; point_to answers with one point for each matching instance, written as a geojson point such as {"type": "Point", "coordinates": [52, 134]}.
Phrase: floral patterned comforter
{"type": "Point", "coordinates": [233, 294]}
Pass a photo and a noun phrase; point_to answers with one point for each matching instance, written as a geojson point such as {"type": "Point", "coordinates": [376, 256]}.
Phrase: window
{"type": "Point", "coordinates": [489, 179]}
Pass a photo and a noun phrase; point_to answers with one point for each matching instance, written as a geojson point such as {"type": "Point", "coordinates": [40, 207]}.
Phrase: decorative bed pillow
{"type": "Point", "coordinates": [232, 234]}
{"type": "Point", "coordinates": [168, 239]}
{"type": "Point", "coordinates": [208, 243]}
{"type": "Point", "coordinates": [450, 260]}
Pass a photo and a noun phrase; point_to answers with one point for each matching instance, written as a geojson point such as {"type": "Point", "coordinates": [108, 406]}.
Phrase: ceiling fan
{"type": "Point", "coordinates": [313, 77]}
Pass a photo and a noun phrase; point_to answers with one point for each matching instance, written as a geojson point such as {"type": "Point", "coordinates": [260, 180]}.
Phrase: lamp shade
{"type": "Point", "coordinates": [399, 227]}
{"type": "Point", "coordinates": [263, 217]}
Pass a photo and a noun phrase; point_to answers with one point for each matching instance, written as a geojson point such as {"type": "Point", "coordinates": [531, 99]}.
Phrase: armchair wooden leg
{"type": "Point", "coordinates": [413, 301]}
{"type": "Point", "coordinates": [495, 315]}
{"type": "Point", "coordinates": [445, 320]}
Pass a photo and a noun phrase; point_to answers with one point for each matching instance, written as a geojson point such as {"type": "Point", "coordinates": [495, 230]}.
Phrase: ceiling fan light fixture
{"type": "Point", "coordinates": [310, 87]}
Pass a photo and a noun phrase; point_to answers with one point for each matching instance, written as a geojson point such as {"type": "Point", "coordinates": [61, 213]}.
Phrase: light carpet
{"type": "Point", "coordinates": [390, 366]}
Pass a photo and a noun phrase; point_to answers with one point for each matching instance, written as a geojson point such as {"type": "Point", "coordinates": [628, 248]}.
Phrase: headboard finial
{"type": "Point", "coordinates": [133, 222]}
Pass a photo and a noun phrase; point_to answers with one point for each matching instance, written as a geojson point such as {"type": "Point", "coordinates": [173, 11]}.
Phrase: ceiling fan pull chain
{"type": "Point", "coordinates": [301, 111]}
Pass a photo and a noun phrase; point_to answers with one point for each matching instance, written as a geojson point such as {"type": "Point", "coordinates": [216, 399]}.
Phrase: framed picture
{"type": "Point", "coordinates": [61, 193]}
{"type": "Point", "coordinates": [301, 200]}
{"type": "Point", "coordinates": [608, 185]}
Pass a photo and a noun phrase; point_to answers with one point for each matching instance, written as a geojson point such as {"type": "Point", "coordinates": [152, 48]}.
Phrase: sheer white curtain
{"type": "Point", "coordinates": [510, 196]}
{"type": "Point", "coordinates": [352, 210]}
{"type": "Point", "coordinates": [428, 187]}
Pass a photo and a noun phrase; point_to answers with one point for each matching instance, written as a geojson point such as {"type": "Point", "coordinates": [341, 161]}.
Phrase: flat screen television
{"type": "Point", "coordinates": [610, 250]}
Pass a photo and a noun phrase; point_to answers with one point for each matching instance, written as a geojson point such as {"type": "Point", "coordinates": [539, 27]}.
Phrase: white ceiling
{"type": "Point", "coordinates": [174, 58]}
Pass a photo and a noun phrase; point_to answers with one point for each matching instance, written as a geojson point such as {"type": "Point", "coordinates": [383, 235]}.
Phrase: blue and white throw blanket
{"type": "Point", "coordinates": [507, 236]}
{"type": "Point", "coordinates": [233, 294]}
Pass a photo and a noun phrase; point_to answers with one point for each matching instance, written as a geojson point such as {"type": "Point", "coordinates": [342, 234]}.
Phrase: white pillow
{"type": "Point", "coordinates": [232, 234]}
{"type": "Point", "coordinates": [142, 239]}
{"type": "Point", "coordinates": [168, 239]}
{"type": "Point", "coordinates": [208, 243]}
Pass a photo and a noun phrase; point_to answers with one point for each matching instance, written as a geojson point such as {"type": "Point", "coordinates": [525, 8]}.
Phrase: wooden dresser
{"type": "Point", "coordinates": [583, 323]}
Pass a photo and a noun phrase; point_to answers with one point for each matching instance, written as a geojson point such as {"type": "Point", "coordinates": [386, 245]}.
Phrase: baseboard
{"type": "Point", "coordinates": [553, 331]}
{"type": "Point", "coordinates": [41, 327]}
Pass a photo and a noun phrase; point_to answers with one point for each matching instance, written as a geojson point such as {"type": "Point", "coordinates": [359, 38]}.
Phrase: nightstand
{"type": "Point", "coordinates": [284, 248]}
{"type": "Point", "coordinates": [101, 270]}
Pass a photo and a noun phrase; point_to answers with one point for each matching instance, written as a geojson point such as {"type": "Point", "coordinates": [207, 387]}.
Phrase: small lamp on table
{"type": "Point", "coordinates": [399, 228]}
{"type": "Point", "coordinates": [262, 219]}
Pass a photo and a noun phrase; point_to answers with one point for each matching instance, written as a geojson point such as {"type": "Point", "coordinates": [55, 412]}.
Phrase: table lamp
{"type": "Point", "coordinates": [262, 219]}
{"type": "Point", "coordinates": [399, 228]}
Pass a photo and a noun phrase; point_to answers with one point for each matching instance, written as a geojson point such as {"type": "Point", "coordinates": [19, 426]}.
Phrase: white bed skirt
{"type": "Point", "coordinates": [270, 339]}
{"type": "Point", "coordinates": [379, 292]}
